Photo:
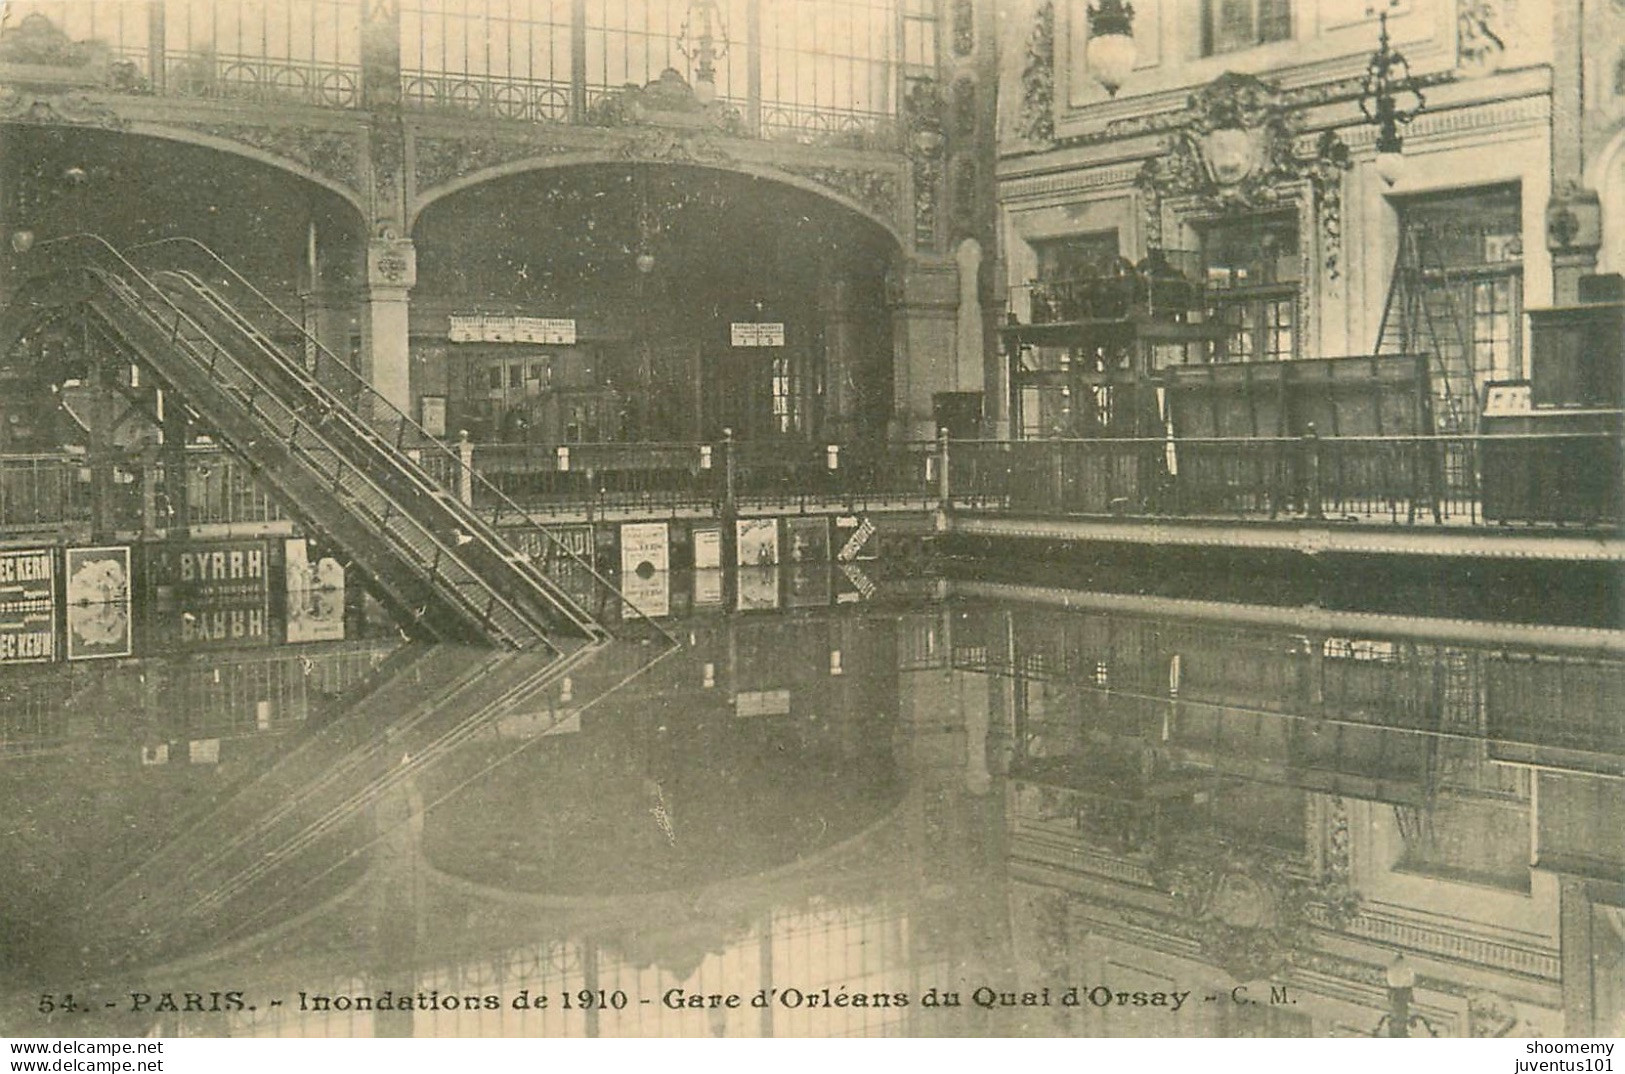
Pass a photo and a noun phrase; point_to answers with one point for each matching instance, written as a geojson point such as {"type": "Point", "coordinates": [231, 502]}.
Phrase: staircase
{"type": "Point", "coordinates": [1421, 316]}
{"type": "Point", "coordinates": [321, 438]}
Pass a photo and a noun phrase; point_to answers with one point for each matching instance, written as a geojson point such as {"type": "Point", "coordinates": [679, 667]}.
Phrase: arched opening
{"type": "Point", "coordinates": [659, 303]}
{"type": "Point", "coordinates": [296, 240]}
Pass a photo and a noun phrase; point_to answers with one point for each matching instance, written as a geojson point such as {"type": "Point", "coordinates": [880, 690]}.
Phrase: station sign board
{"type": "Point", "coordinates": [488, 328]}
{"type": "Point", "coordinates": [756, 333]}
{"type": "Point", "coordinates": [27, 605]}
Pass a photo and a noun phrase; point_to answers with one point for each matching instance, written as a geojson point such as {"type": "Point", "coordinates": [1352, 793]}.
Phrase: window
{"type": "Point", "coordinates": [1495, 351]}
{"type": "Point", "coordinates": [786, 391]}
{"type": "Point", "coordinates": [1467, 248]}
{"type": "Point", "coordinates": [1234, 25]}
{"type": "Point", "coordinates": [1252, 267]}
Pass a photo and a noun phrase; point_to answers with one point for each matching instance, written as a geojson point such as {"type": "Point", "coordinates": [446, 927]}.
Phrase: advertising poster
{"type": "Point", "coordinates": [645, 555]}
{"type": "Point", "coordinates": [854, 538]}
{"type": "Point", "coordinates": [758, 542]}
{"type": "Point", "coordinates": [98, 611]}
{"type": "Point", "coordinates": [807, 585]}
{"type": "Point", "coordinates": [315, 588]}
{"type": "Point", "coordinates": [708, 588]}
{"type": "Point", "coordinates": [208, 594]}
{"type": "Point", "coordinates": [806, 540]}
{"type": "Point", "coordinates": [707, 548]}
{"type": "Point", "coordinates": [758, 589]}
{"type": "Point", "coordinates": [27, 606]}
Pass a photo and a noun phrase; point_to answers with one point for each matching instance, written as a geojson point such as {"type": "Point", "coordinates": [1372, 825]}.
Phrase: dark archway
{"type": "Point", "coordinates": [654, 264]}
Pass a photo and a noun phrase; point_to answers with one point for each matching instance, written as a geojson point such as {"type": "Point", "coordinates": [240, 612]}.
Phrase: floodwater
{"type": "Point", "coordinates": [837, 806]}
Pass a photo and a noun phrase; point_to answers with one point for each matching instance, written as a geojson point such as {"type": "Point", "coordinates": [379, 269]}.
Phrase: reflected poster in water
{"type": "Point", "coordinates": [98, 600]}
{"type": "Point", "coordinates": [315, 591]}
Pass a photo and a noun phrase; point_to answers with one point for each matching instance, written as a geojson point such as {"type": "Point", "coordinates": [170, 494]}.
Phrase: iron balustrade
{"type": "Point", "coordinates": [1457, 480]}
{"type": "Point", "coordinates": [706, 477]}
{"type": "Point", "coordinates": [43, 492]}
{"type": "Point", "coordinates": [1166, 286]}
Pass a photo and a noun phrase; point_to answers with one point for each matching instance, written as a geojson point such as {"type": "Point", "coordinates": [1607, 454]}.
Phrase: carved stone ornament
{"type": "Point", "coordinates": [876, 191]}
{"type": "Point", "coordinates": [1037, 118]}
{"type": "Point", "coordinates": [668, 101]}
{"type": "Point", "coordinates": [437, 160]}
{"type": "Point", "coordinates": [37, 41]}
{"type": "Point", "coordinates": [1479, 41]}
{"type": "Point", "coordinates": [1573, 220]}
{"type": "Point", "coordinates": [924, 112]}
{"type": "Point", "coordinates": [391, 262]}
{"type": "Point", "coordinates": [331, 154]}
{"type": "Point", "coordinates": [1237, 153]}
{"type": "Point", "coordinates": [674, 147]}
{"type": "Point", "coordinates": [1249, 913]}
{"type": "Point", "coordinates": [54, 109]}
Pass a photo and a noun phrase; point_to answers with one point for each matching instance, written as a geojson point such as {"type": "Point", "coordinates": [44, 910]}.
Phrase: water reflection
{"type": "Point", "coordinates": [1090, 821]}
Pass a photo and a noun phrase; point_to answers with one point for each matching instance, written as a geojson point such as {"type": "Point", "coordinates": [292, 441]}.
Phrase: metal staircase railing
{"type": "Point", "coordinates": [336, 381]}
{"type": "Point", "coordinates": [412, 558]}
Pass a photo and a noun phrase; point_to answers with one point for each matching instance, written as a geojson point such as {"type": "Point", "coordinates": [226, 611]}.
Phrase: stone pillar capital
{"type": "Point", "coordinates": [392, 265]}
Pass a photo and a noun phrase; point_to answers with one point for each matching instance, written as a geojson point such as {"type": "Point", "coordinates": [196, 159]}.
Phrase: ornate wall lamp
{"type": "Point", "coordinates": [1387, 78]}
{"type": "Point", "coordinates": [1401, 1019]}
{"type": "Point", "coordinates": [1110, 51]}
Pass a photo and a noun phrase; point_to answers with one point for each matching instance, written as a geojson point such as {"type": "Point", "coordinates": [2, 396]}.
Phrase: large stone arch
{"type": "Point", "coordinates": [333, 159]}
{"type": "Point", "coordinates": [875, 179]}
{"type": "Point", "coordinates": [1606, 175]}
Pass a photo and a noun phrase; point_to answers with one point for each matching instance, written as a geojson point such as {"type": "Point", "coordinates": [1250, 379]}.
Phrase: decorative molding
{"type": "Point", "coordinates": [72, 109]}
{"type": "Point", "coordinates": [1237, 152]}
{"type": "Point", "coordinates": [1251, 913]}
{"type": "Point", "coordinates": [386, 150]}
{"type": "Point", "coordinates": [667, 101]}
{"type": "Point", "coordinates": [1452, 942]}
{"type": "Point", "coordinates": [1479, 43]}
{"type": "Point", "coordinates": [674, 147]}
{"type": "Point", "coordinates": [1037, 116]}
{"type": "Point", "coordinates": [1060, 185]}
{"type": "Point", "coordinates": [1314, 95]}
{"type": "Point", "coordinates": [876, 191]}
{"type": "Point", "coordinates": [330, 154]}
{"type": "Point", "coordinates": [924, 111]}
{"type": "Point", "coordinates": [440, 159]}
{"type": "Point", "coordinates": [964, 27]}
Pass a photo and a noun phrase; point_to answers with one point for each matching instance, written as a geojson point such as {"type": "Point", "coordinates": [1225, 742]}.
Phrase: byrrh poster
{"type": "Point", "coordinates": [1125, 501]}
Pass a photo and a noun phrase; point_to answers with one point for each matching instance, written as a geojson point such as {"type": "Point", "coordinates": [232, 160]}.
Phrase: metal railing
{"type": "Point", "coordinates": [1567, 478]}
{"type": "Point", "coordinates": [43, 492]}
{"type": "Point", "coordinates": [712, 477]}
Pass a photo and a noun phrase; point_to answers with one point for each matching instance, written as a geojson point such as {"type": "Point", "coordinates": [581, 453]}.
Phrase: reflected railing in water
{"type": "Point", "coordinates": [1037, 798]}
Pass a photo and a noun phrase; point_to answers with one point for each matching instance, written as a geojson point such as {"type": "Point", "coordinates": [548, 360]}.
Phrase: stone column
{"type": "Point", "coordinates": [924, 358]}
{"type": "Point", "coordinates": [385, 354]}
{"type": "Point", "coordinates": [1574, 214]}
{"type": "Point", "coordinates": [842, 353]}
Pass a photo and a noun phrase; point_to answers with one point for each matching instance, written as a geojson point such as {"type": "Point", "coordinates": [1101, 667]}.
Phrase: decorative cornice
{"type": "Point", "coordinates": [1060, 184]}
{"type": "Point", "coordinates": [1168, 119]}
